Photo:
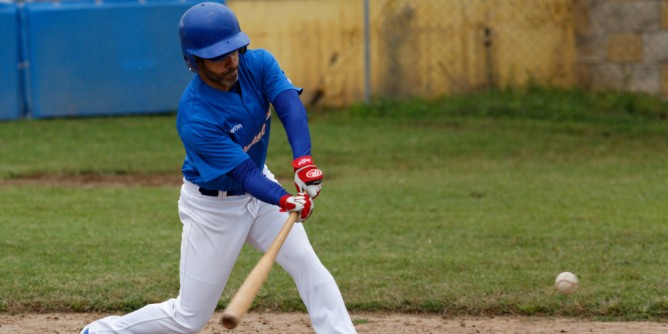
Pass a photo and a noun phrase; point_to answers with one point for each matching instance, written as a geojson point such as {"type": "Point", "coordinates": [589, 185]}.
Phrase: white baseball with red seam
{"type": "Point", "coordinates": [566, 283]}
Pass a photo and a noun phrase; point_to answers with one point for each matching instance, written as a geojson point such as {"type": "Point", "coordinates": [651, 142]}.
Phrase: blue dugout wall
{"type": "Point", "coordinates": [90, 58]}
{"type": "Point", "coordinates": [10, 93]}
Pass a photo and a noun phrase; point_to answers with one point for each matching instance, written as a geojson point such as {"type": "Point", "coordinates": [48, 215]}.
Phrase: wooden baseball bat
{"type": "Point", "coordinates": [242, 300]}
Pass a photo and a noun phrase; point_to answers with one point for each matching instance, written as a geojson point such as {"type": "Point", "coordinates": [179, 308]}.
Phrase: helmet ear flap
{"type": "Point", "coordinates": [191, 62]}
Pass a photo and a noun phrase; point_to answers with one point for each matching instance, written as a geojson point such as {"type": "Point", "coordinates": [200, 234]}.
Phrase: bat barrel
{"type": "Point", "coordinates": [242, 300]}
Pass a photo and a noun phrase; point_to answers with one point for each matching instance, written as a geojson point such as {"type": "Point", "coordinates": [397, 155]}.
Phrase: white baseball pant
{"type": "Point", "coordinates": [214, 231]}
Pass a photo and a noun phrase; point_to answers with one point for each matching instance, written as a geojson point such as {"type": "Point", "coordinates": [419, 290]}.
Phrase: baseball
{"type": "Point", "coordinates": [566, 283]}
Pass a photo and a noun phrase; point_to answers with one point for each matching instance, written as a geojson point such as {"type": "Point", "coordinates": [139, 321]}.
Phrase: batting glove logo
{"type": "Point", "coordinates": [304, 161]}
{"type": "Point", "coordinates": [314, 173]}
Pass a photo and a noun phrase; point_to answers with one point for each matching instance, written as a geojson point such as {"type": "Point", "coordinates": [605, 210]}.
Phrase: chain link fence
{"type": "Point", "coordinates": [407, 48]}
{"type": "Point", "coordinates": [426, 48]}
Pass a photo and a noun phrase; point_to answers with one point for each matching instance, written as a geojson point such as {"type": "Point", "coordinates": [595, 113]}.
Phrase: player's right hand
{"type": "Point", "coordinates": [301, 203]}
{"type": "Point", "coordinates": [308, 178]}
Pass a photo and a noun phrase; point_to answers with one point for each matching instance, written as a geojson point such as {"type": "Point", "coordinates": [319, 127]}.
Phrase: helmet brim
{"type": "Point", "coordinates": [225, 46]}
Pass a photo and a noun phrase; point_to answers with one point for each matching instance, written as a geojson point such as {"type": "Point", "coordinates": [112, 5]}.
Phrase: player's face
{"type": "Point", "coordinates": [222, 72]}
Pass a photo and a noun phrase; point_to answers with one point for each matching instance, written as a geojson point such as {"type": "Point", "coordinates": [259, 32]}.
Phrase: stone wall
{"type": "Point", "coordinates": [623, 45]}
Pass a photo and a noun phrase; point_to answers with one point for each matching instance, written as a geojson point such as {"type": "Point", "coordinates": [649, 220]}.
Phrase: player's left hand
{"type": "Point", "coordinates": [301, 203]}
{"type": "Point", "coordinates": [308, 178]}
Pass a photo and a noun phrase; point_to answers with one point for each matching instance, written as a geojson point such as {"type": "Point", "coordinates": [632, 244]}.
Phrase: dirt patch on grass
{"type": "Point", "coordinates": [93, 180]}
{"type": "Point", "coordinates": [376, 323]}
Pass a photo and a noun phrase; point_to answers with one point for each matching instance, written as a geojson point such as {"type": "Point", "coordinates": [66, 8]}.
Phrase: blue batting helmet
{"type": "Point", "coordinates": [209, 30]}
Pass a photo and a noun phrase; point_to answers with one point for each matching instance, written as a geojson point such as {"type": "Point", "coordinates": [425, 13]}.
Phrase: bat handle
{"type": "Point", "coordinates": [230, 321]}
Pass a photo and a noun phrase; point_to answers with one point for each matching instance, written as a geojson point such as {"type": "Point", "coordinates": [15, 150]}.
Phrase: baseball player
{"type": "Point", "coordinates": [229, 197]}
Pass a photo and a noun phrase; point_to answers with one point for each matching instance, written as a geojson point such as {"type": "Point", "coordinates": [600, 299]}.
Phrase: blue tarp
{"type": "Point", "coordinates": [104, 59]}
{"type": "Point", "coordinates": [10, 94]}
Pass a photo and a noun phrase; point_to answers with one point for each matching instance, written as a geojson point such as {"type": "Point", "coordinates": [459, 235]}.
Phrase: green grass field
{"type": "Point", "coordinates": [468, 205]}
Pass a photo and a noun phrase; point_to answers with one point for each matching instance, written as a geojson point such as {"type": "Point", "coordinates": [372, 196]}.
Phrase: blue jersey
{"type": "Point", "coordinates": [220, 130]}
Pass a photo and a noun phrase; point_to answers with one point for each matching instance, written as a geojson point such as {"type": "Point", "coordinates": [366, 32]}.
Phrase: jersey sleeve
{"type": "Point", "coordinates": [292, 114]}
{"type": "Point", "coordinates": [255, 183]}
{"type": "Point", "coordinates": [213, 152]}
{"type": "Point", "coordinates": [284, 96]}
{"type": "Point", "coordinates": [275, 81]}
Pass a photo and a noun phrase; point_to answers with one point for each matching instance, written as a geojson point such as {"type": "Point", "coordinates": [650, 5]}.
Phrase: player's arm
{"type": "Point", "coordinates": [292, 113]}
{"type": "Point", "coordinates": [225, 156]}
{"type": "Point", "coordinates": [262, 188]}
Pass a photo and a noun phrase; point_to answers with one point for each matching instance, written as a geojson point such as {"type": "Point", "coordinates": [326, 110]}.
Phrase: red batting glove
{"type": "Point", "coordinates": [301, 203]}
{"type": "Point", "coordinates": [308, 178]}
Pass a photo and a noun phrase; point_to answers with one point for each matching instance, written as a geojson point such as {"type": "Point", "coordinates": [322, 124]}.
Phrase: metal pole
{"type": "Point", "coordinates": [367, 58]}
